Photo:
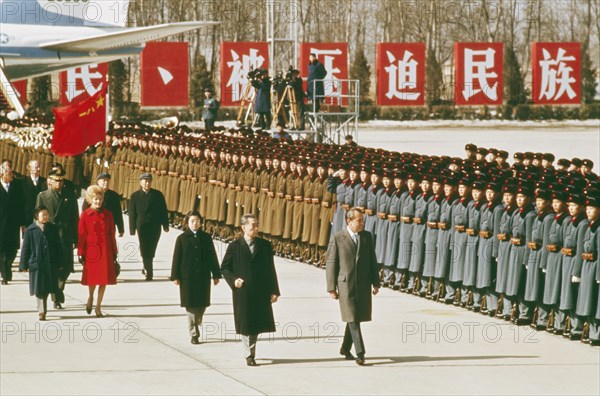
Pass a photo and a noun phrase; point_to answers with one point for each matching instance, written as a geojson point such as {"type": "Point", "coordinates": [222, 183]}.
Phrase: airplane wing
{"type": "Point", "coordinates": [10, 93]}
{"type": "Point", "coordinates": [123, 37]}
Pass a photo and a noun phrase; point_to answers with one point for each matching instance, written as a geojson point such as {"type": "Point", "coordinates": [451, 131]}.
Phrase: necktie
{"type": "Point", "coordinates": [251, 246]}
{"type": "Point", "coordinates": [355, 239]}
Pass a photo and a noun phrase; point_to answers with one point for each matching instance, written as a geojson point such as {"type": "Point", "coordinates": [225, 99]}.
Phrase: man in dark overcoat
{"type": "Point", "coordinates": [352, 275]}
{"type": "Point", "coordinates": [249, 269]}
{"type": "Point", "coordinates": [12, 219]}
{"type": "Point", "coordinates": [32, 186]}
{"type": "Point", "coordinates": [194, 261]}
{"type": "Point", "coordinates": [262, 103]}
{"type": "Point", "coordinates": [316, 90]}
{"type": "Point", "coordinates": [147, 213]}
{"type": "Point", "coordinates": [61, 203]}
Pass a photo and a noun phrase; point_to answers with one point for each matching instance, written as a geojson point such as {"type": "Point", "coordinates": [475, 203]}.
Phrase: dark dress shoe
{"type": "Point", "coordinates": [448, 301]}
{"type": "Point", "coordinates": [594, 342]}
{"type": "Point", "coordinates": [360, 360]}
{"type": "Point", "coordinates": [537, 327]}
{"type": "Point", "coordinates": [386, 284]}
{"type": "Point", "coordinates": [347, 355]}
{"type": "Point", "coordinates": [148, 278]}
{"type": "Point", "coordinates": [4, 282]}
{"type": "Point", "coordinates": [143, 272]}
{"type": "Point", "coordinates": [396, 287]}
{"type": "Point", "coordinates": [557, 331]}
{"type": "Point", "coordinates": [88, 309]}
{"type": "Point", "coordinates": [58, 306]}
{"type": "Point", "coordinates": [195, 341]}
{"type": "Point", "coordinates": [522, 321]}
{"type": "Point", "coordinates": [42, 317]}
{"type": "Point", "coordinates": [574, 337]}
{"type": "Point", "coordinates": [250, 361]}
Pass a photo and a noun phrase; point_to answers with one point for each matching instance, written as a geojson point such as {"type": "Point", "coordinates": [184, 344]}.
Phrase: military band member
{"type": "Point", "coordinates": [458, 242]}
{"type": "Point", "coordinates": [431, 237]}
{"type": "Point", "coordinates": [487, 250]}
{"type": "Point", "coordinates": [504, 236]}
{"type": "Point", "coordinates": [471, 295]}
{"type": "Point", "coordinates": [534, 283]}
{"type": "Point", "coordinates": [388, 226]}
{"type": "Point", "coordinates": [584, 271]}
{"type": "Point", "coordinates": [418, 235]}
{"type": "Point", "coordinates": [571, 262]}
{"type": "Point", "coordinates": [442, 260]}
{"type": "Point", "coordinates": [407, 213]}
{"type": "Point", "coordinates": [551, 267]}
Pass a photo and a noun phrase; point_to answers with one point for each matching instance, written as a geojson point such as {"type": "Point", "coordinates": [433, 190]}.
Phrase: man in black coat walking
{"type": "Point", "coordinates": [12, 218]}
{"type": "Point", "coordinates": [112, 201]}
{"type": "Point", "coordinates": [249, 269]}
{"type": "Point", "coordinates": [61, 203]}
{"type": "Point", "coordinates": [194, 261]}
{"type": "Point", "coordinates": [147, 213]}
{"type": "Point", "coordinates": [32, 186]}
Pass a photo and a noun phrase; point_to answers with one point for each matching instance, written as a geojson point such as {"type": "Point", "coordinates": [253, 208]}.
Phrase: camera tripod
{"type": "Point", "coordinates": [290, 95]}
{"type": "Point", "coordinates": [246, 103]}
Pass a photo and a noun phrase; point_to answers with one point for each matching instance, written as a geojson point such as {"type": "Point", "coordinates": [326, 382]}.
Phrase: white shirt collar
{"type": "Point", "coordinates": [4, 185]}
{"type": "Point", "coordinates": [351, 233]}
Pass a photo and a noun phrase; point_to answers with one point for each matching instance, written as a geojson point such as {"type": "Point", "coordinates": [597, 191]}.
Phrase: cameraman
{"type": "Point", "coordinates": [296, 83]}
{"type": "Point", "coordinates": [262, 104]}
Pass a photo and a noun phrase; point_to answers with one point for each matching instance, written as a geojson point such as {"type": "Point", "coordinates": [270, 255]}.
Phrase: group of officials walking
{"type": "Point", "coordinates": [519, 242]}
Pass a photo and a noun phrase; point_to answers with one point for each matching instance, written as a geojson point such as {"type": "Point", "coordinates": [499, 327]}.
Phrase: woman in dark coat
{"type": "Point", "coordinates": [194, 261]}
{"type": "Point", "coordinates": [40, 254]}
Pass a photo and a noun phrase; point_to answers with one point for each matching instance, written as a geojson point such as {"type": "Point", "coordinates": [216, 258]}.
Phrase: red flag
{"type": "Point", "coordinates": [80, 125]}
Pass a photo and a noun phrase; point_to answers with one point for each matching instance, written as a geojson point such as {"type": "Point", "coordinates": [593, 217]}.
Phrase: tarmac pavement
{"type": "Point", "coordinates": [414, 346]}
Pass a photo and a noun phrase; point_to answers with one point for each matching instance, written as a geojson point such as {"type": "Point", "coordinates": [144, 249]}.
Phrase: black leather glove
{"type": "Point", "coordinates": [81, 260]}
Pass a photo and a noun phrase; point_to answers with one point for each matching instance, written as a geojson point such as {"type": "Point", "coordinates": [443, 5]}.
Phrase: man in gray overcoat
{"type": "Point", "coordinates": [352, 274]}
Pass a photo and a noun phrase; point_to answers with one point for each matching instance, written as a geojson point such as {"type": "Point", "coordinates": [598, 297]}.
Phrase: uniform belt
{"type": "Point", "coordinates": [516, 241]}
{"type": "Point", "coordinates": [369, 212]}
{"type": "Point", "coordinates": [503, 237]}
{"type": "Point", "coordinates": [325, 204]}
{"type": "Point", "coordinates": [405, 219]}
{"type": "Point", "coordinates": [298, 199]}
{"type": "Point", "coordinates": [589, 256]}
{"type": "Point", "coordinates": [432, 225]}
{"type": "Point", "coordinates": [485, 234]}
{"type": "Point", "coordinates": [552, 248]}
{"type": "Point", "coordinates": [392, 218]}
{"type": "Point", "coordinates": [471, 231]}
{"type": "Point", "coordinates": [533, 245]}
{"type": "Point", "coordinates": [567, 252]}
{"type": "Point", "coordinates": [381, 215]}
{"type": "Point", "coordinates": [459, 228]}
{"type": "Point", "coordinates": [361, 208]}
{"type": "Point", "coordinates": [280, 195]}
{"type": "Point", "coordinates": [442, 226]}
{"type": "Point", "coordinates": [417, 220]}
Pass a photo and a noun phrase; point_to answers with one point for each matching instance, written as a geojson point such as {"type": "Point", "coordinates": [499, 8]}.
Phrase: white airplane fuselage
{"type": "Point", "coordinates": [22, 57]}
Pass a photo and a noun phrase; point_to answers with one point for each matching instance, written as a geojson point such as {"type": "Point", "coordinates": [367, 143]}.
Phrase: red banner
{"type": "Point", "coordinates": [80, 83]}
{"type": "Point", "coordinates": [21, 88]}
{"type": "Point", "coordinates": [556, 73]}
{"type": "Point", "coordinates": [400, 74]}
{"type": "Point", "coordinates": [237, 60]}
{"type": "Point", "coordinates": [479, 73]}
{"type": "Point", "coordinates": [165, 75]}
{"type": "Point", "coordinates": [334, 56]}
{"type": "Point", "coordinates": [80, 125]}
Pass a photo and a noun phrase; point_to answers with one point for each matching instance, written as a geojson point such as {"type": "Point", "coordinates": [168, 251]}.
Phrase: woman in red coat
{"type": "Point", "coordinates": [97, 249]}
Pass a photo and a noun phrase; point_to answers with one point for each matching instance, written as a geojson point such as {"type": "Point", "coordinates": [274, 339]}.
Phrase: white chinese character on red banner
{"type": "Point", "coordinates": [85, 74]}
{"type": "Point", "coordinates": [402, 77]}
{"type": "Point", "coordinates": [477, 70]}
{"type": "Point", "coordinates": [240, 68]}
{"type": "Point", "coordinates": [331, 84]}
{"type": "Point", "coordinates": [556, 74]}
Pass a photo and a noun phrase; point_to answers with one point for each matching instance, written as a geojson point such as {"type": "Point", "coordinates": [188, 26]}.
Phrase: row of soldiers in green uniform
{"type": "Point", "coordinates": [512, 242]}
